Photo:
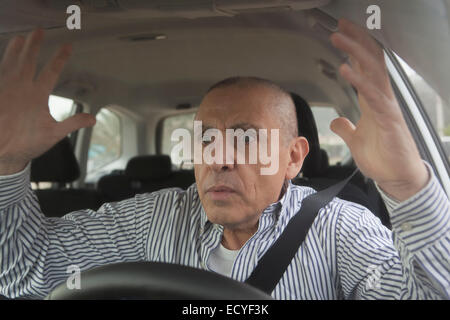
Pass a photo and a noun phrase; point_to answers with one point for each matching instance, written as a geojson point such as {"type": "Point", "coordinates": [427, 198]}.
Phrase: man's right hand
{"type": "Point", "coordinates": [27, 128]}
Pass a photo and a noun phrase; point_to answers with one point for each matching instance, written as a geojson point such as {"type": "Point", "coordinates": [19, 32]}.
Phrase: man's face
{"type": "Point", "coordinates": [234, 195]}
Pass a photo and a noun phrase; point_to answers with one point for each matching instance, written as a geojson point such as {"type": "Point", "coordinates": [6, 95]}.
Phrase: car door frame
{"type": "Point", "coordinates": [420, 125]}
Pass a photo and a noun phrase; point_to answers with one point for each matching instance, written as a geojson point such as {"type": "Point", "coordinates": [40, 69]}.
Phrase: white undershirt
{"type": "Point", "coordinates": [221, 260]}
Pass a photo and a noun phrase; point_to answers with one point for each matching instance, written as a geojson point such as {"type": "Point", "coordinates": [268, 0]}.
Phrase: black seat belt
{"type": "Point", "coordinates": [275, 261]}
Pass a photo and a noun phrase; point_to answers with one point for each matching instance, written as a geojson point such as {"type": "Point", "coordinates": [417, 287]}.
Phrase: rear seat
{"type": "Point", "coordinates": [143, 174]}
{"type": "Point", "coordinates": [59, 165]}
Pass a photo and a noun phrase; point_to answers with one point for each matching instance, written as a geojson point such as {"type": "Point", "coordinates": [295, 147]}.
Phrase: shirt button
{"type": "Point", "coordinates": [407, 226]}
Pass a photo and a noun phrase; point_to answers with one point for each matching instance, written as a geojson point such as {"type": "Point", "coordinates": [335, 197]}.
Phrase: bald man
{"type": "Point", "coordinates": [228, 219]}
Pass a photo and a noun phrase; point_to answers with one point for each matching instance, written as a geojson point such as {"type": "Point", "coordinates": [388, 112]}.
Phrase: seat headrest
{"type": "Point", "coordinates": [58, 164]}
{"type": "Point", "coordinates": [315, 164]}
{"type": "Point", "coordinates": [115, 186]}
{"type": "Point", "coordinates": [151, 167]}
{"type": "Point", "coordinates": [325, 161]}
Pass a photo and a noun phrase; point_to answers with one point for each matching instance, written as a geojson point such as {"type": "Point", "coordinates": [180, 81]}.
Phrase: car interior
{"type": "Point", "coordinates": [142, 67]}
{"type": "Point", "coordinates": [146, 70]}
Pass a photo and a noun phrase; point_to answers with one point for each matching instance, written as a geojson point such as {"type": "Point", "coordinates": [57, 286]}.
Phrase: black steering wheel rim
{"type": "Point", "coordinates": [158, 281]}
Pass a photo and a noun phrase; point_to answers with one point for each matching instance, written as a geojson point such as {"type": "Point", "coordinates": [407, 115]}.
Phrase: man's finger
{"type": "Point", "coordinates": [360, 35]}
{"type": "Point", "coordinates": [355, 65]}
{"type": "Point", "coordinates": [344, 128]}
{"type": "Point", "coordinates": [49, 75]}
{"type": "Point", "coordinates": [368, 64]}
{"type": "Point", "coordinates": [29, 54]}
{"type": "Point", "coordinates": [75, 122]}
{"type": "Point", "coordinates": [11, 55]}
{"type": "Point", "coordinates": [372, 94]}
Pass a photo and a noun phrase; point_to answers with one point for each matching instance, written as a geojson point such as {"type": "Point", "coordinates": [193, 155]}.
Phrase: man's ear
{"type": "Point", "coordinates": [298, 150]}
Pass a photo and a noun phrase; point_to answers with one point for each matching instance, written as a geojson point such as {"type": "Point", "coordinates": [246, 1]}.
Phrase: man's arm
{"type": "Point", "coordinates": [35, 251]}
{"type": "Point", "coordinates": [411, 262]}
{"type": "Point", "coordinates": [381, 143]}
{"type": "Point", "coordinates": [28, 129]}
{"type": "Point", "coordinates": [416, 264]}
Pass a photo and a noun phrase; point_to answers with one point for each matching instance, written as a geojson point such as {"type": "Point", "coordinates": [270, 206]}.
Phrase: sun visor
{"type": "Point", "coordinates": [417, 30]}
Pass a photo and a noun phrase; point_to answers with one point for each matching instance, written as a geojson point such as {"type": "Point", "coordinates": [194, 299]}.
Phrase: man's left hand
{"type": "Point", "coordinates": [381, 143]}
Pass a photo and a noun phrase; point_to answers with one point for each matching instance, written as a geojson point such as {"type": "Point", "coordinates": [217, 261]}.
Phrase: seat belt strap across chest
{"type": "Point", "coordinates": [275, 261]}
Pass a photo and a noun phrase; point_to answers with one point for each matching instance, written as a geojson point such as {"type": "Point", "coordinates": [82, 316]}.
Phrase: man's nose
{"type": "Point", "coordinates": [226, 161]}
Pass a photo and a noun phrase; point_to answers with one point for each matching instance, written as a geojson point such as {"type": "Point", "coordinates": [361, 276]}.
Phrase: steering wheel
{"type": "Point", "coordinates": [155, 280]}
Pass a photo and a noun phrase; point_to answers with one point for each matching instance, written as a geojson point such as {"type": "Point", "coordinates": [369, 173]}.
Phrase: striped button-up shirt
{"type": "Point", "coordinates": [347, 253]}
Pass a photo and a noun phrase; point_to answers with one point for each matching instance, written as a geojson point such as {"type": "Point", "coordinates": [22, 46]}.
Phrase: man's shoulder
{"type": "Point", "coordinates": [342, 219]}
{"type": "Point", "coordinates": [168, 199]}
{"type": "Point", "coordinates": [303, 192]}
{"type": "Point", "coordinates": [171, 193]}
{"type": "Point", "coordinates": [336, 211]}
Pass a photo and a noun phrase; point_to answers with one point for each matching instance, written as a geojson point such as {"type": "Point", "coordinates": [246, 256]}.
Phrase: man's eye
{"type": "Point", "coordinates": [246, 138]}
{"type": "Point", "coordinates": [207, 139]}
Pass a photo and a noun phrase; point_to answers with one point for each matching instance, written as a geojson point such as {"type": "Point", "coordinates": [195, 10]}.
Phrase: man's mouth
{"type": "Point", "coordinates": [220, 192]}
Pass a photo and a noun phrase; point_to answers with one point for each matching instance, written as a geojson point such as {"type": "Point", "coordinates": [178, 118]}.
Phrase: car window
{"type": "Point", "coordinates": [169, 124]}
{"type": "Point", "coordinates": [436, 108]}
{"type": "Point", "coordinates": [61, 108]}
{"type": "Point", "coordinates": [335, 147]}
{"type": "Point", "coordinates": [106, 142]}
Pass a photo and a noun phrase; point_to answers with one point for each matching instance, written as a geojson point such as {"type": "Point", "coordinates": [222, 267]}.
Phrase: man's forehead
{"type": "Point", "coordinates": [238, 93]}
{"type": "Point", "coordinates": [242, 117]}
{"type": "Point", "coordinates": [235, 105]}
{"type": "Point", "coordinates": [241, 125]}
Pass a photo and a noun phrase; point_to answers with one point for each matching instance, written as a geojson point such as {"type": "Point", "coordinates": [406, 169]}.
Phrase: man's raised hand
{"type": "Point", "coordinates": [381, 143]}
{"type": "Point", "coordinates": [27, 128]}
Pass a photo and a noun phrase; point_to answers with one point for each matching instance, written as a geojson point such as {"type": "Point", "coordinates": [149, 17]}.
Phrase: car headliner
{"type": "Point", "coordinates": [107, 67]}
{"type": "Point", "coordinates": [205, 44]}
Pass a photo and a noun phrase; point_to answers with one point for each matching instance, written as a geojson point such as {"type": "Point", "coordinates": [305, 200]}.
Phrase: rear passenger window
{"type": "Point", "coordinates": [169, 124]}
{"type": "Point", "coordinates": [335, 147]}
{"type": "Point", "coordinates": [106, 144]}
{"type": "Point", "coordinates": [61, 108]}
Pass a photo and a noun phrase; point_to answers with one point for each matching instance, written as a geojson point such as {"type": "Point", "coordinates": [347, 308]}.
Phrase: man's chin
{"type": "Point", "coordinates": [222, 214]}
{"type": "Point", "coordinates": [226, 222]}
{"type": "Point", "coordinates": [215, 202]}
